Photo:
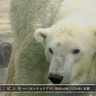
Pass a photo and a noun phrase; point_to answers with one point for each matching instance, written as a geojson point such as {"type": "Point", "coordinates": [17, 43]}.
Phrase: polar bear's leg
{"type": "Point", "coordinates": [30, 62]}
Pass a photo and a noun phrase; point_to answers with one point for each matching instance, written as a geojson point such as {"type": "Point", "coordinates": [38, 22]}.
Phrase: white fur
{"type": "Point", "coordinates": [67, 25]}
{"type": "Point", "coordinates": [75, 30]}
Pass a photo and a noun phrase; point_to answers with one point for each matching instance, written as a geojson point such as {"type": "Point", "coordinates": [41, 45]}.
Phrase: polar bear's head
{"type": "Point", "coordinates": [70, 48]}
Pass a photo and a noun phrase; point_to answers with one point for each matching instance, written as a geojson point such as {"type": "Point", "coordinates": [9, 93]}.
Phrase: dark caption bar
{"type": "Point", "coordinates": [35, 88]}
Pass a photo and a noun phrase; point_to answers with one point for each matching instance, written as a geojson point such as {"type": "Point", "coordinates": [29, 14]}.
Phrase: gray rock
{"type": "Point", "coordinates": [5, 53]}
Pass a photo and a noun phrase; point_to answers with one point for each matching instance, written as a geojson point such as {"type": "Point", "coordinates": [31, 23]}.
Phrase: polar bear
{"type": "Point", "coordinates": [67, 41]}
{"type": "Point", "coordinates": [68, 51]}
{"type": "Point", "coordinates": [54, 41]}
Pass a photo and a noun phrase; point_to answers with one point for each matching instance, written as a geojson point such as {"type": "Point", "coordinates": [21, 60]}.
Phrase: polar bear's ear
{"type": "Point", "coordinates": [41, 34]}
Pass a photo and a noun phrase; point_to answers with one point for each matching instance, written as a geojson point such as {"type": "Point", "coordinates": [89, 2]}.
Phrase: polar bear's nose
{"type": "Point", "coordinates": [55, 78]}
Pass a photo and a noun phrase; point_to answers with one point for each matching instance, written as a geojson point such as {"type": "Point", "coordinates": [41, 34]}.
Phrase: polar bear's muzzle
{"type": "Point", "coordinates": [60, 70]}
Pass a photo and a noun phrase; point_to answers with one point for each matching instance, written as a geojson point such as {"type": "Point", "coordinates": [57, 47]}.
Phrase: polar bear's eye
{"type": "Point", "coordinates": [76, 51]}
{"type": "Point", "coordinates": [50, 50]}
